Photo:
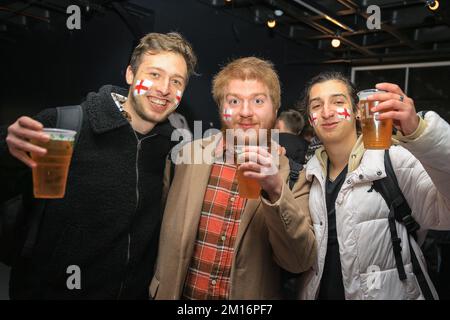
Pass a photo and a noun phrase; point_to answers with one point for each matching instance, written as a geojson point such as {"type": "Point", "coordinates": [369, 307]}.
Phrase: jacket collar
{"type": "Point", "coordinates": [102, 111]}
{"type": "Point", "coordinates": [363, 165]}
{"type": "Point", "coordinates": [104, 115]}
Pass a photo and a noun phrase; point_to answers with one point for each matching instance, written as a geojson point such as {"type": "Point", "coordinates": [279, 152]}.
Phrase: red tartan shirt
{"type": "Point", "coordinates": [208, 276]}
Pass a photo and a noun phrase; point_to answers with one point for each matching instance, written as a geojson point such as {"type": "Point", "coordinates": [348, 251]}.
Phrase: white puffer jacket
{"type": "Point", "coordinates": [422, 167]}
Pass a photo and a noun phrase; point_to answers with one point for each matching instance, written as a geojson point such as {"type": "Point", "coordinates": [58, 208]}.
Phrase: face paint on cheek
{"type": "Point", "coordinates": [142, 86]}
{"type": "Point", "coordinates": [178, 97]}
{"type": "Point", "coordinates": [176, 101]}
{"type": "Point", "coordinates": [227, 114]}
{"type": "Point", "coordinates": [343, 114]}
{"type": "Point", "coordinates": [313, 119]}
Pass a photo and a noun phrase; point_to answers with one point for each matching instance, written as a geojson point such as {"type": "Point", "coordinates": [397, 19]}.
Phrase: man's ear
{"type": "Point", "coordinates": [129, 76]}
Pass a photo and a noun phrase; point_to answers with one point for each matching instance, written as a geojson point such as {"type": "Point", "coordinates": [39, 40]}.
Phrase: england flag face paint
{"type": "Point", "coordinates": [178, 96]}
{"type": "Point", "coordinates": [313, 119]}
{"type": "Point", "coordinates": [177, 100]}
{"type": "Point", "coordinates": [227, 114]}
{"type": "Point", "coordinates": [343, 114]}
{"type": "Point", "coordinates": [142, 86]}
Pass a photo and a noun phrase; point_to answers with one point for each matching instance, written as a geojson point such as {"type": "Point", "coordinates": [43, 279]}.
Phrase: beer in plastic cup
{"type": "Point", "coordinates": [376, 133]}
{"type": "Point", "coordinates": [249, 188]}
{"type": "Point", "coordinates": [50, 174]}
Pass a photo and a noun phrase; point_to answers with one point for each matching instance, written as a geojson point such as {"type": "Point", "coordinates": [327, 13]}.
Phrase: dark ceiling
{"type": "Point", "coordinates": [20, 18]}
{"type": "Point", "coordinates": [409, 31]}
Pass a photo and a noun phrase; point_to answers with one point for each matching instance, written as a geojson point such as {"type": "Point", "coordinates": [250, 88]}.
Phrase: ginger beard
{"type": "Point", "coordinates": [254, 136]}
{"type": "Point", "coordinates": [228, 128]}
{"type": "Point", "coordinates": [141, 104]}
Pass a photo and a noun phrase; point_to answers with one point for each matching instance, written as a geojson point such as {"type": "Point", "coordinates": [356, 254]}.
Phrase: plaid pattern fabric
{"type": "Point", "coordinates": [208, 276]}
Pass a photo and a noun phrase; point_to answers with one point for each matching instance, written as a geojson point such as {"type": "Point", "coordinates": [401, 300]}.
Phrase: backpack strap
{"type": "Point", "coordinates": [389, 189]}
{"type": "Point", "coordinates": [70, 118]}
{"type": "Point", "coordinates": [382, 187]}
{"type": "Point", "coordinates": [420, 276]}
{"type": "Point", "coordinates": [400, 211]}
{"type": "Point", "coordinates": [294, 172]}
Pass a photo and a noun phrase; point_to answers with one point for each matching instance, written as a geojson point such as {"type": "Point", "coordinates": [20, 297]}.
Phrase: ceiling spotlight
{"type": "Point", "coordinates": [433, 4]}
{"type": "Point", "coordinates": [271, 23]}
{"type": "Point", "coordinates": [278, 12]}
{"type": "Point", "coordinates": [335, 42]}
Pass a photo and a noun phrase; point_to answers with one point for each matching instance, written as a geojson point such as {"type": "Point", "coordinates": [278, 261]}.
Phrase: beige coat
{"type": "Point", "coordinates": [269, 235]}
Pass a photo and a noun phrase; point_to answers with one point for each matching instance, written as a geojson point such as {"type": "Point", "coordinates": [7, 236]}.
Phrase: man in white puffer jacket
{"type": "Point", "coordinates": [355, 255]}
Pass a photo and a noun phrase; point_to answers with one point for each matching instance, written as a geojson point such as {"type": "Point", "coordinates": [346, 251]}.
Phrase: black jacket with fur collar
{"type": "Point", "coordinates": [108, 222]}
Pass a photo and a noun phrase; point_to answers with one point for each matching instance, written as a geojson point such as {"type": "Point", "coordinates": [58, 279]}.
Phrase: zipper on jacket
{"type": "Point", "coordinates": [127, 261]}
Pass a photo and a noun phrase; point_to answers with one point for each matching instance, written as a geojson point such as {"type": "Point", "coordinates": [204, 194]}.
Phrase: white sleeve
{"type": "Point", "coordinates": [423, 173]}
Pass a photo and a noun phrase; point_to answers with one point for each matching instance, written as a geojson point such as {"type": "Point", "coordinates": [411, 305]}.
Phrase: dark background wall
{"type": "Point", "coordinates": [50, 66]}
{"type": "Point", "coordinates": [47, 65]}
{"type": "Point", "coordinates": [44, 64]}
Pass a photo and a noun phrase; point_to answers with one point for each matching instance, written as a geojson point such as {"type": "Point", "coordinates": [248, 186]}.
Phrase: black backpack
{"type": "Point", "coordinates": [400, 211]}
{"type": "Point", "coordinates": [294, 172]}
{"type": "Point", "coordinates": [20, 216]}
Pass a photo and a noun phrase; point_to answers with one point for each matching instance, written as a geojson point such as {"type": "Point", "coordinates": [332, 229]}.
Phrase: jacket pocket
{"type": "Point", "coordinates": [154, 285]}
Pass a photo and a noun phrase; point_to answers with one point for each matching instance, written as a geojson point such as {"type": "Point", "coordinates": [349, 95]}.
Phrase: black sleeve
{"type": "Point", "coordinates": [12, 171]}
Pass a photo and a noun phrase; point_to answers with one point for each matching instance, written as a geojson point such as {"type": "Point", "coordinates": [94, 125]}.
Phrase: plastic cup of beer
{"type": "Point", "coordinates": [249, 188]}
{"type": "Point", "coordinates": [50, 174]}
{"type": "Point", "coordinates": [376, 133]}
